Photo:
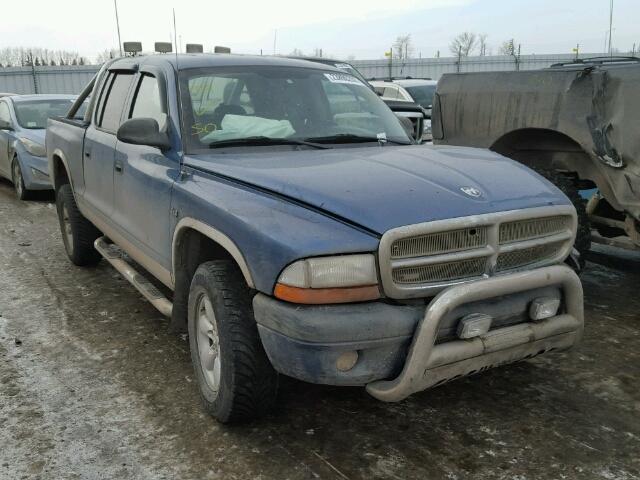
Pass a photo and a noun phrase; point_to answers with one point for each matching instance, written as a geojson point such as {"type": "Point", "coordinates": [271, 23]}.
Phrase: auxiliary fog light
{"type": "Point", "coordinates": [544, 307]}
{"type": "Point", "coordinates": [347, 360]}
{"type": "Point", "coordinates": [474, 325]}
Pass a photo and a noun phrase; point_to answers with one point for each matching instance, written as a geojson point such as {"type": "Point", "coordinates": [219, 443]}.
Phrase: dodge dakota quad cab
{"type": "Point", "coordinates": [576, 123]}
{"type": "Point", "coordinates": [283, 217]}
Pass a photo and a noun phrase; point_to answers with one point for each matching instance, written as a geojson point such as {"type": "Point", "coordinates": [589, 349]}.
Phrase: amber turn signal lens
{"type": "Point", "coordinates": [318, 296]}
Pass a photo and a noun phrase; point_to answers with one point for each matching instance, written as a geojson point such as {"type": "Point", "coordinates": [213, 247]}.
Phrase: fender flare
{"type": "Point", "coordinates": [217, 236]}
{"type": "Point", "coordinates": [60, 154]}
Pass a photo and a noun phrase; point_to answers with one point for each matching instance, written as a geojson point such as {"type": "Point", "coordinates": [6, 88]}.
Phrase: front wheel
{"type": "Point", "coordinates": [235, 377]}
{"type": "Point", "coordinates": [78, 233]}
{"type": "Point", "coordinates": [18, 182]}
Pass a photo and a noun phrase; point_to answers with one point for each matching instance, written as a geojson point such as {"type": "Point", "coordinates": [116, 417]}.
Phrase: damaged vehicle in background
{"type": "Point", "coordinates": [285, 219]}
{"type": "Point", "coordinates": [413, 117]}
{"type": "Point", "coordinates": [576, 123]}
{"type": "Point", "coordinates": [418, 91]}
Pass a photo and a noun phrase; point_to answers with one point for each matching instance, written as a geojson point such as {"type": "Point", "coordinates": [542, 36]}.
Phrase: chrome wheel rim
{"type": "Point", "coordinates": [17, 178]}
{"type": "Point", "coordinates": [66, 228]}
{"type": "Point", "coordinates": [208, 342]}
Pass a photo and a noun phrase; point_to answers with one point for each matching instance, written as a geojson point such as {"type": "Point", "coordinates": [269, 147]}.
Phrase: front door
{"type": "Point", "coordinates": [145, 175]}
{"type": "Point", "coordinates": [5, 140]}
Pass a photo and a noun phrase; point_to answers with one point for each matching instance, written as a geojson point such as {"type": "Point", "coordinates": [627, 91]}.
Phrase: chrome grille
{"type": "Point", "coordinates": [527, 256]}
{"type": "Point", "coordinates": [533, 228]}
{"type": "Point", "coordinates": [438, 243]}
{"type": "Point", "coordinates": [420, 260]}
{"type": "Point", "coordinates": [440, 272]}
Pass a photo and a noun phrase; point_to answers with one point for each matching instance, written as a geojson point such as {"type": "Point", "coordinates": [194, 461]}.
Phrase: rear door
{"type": "Point", "coordinates": [100, 143]}
{"type": "Point", "coordinates": [144, 175]}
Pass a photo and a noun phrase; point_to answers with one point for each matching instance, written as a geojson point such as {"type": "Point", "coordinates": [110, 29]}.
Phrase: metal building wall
{"type": "Point", "coordinates": [435, 67]}
{"type": "Point", "coordinates": [46, 79]}
{"type": "Point", "coordinates": [72, 78]}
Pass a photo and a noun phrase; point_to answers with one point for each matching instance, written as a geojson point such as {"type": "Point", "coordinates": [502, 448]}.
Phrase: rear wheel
{"type": "Point", "coordinates": [78, 233]}
{"type": "Point", "coordinates": [235, 377]}
{"type": "Point", "coordinates": [18, 182]}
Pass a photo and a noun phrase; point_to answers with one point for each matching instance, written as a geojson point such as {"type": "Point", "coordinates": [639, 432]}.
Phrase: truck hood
{"type": "Point", "coordinates": [380, 188]}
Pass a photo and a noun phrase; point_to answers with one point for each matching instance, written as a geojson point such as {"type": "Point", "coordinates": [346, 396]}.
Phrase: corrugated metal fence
{"type": "Point", "coordinates": [72, 78]}
{"type": "Point", "coordinates": [436, 67]}
{"type": "Point", "coordinates": [58, 79]}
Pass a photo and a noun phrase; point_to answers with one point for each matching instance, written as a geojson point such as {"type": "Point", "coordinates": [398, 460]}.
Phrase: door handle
{"type": "Point", "coordinates": [118, 166]}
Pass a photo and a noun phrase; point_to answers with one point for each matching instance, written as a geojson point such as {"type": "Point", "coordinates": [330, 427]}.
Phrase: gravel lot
{"type": "Point", "coordinates": [93, 386]}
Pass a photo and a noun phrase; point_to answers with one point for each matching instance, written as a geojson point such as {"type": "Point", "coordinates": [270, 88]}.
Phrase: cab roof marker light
{"type": "Point", "coordinates": [163, 47]}
{"type": "Point", "coordinates": [132, 48]}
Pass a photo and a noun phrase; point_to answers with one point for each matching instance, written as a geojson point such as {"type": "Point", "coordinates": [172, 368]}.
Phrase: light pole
{"type": "Point", "coordinates": [115, 4]}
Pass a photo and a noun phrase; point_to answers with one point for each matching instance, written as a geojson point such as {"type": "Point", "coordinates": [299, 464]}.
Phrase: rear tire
{"type": "Point", "coordinates": [78, 233]}
{"type": "Point", "coordinates": [235, 377]}
{"type": "Point", "coordinates": [18, 182]}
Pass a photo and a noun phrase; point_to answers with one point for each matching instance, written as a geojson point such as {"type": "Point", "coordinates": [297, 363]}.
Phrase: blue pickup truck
{"type": "Point", "coordinates": [277, 211]}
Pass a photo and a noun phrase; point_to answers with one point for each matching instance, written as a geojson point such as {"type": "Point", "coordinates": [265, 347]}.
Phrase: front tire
{"type": "Point", "coordinates": [78, 233]}
{"type": "Point", "coordinates": [18, 181]}
{"type": "Point", "coordinates": [235, 377]}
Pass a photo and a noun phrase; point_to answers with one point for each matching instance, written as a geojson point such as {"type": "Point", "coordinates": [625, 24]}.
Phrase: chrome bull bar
{"type": "Point", "coordinates": [428, 364]}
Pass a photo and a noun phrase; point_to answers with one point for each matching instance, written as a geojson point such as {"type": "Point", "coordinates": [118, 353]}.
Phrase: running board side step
{"type": "Point", "coordinates": [114, 255]}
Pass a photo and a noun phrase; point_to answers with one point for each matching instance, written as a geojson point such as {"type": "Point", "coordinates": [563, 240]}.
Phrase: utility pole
{"type": "Point", "coordinates": [275, 38]}
{"type": "Point", "coordinates": [610, 26]}
{"type": "Point", "coordinates": [115, 4]}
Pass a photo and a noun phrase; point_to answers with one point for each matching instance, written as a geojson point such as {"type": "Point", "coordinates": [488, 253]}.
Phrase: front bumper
{"type": "Point", "coordinates": [35, 171]}
{"type": "Point", "coordinates": [428, 364]}
{"type": "Point", "coordinates": [411, 344]}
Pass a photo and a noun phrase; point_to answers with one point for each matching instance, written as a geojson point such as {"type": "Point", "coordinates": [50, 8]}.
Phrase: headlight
{"type": "Point", "coordinates": [338, 279]}
{"type": "Point", "coordinates": [33, 148]}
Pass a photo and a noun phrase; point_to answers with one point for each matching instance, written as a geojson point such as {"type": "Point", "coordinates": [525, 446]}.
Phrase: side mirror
{"type": "Point", "coordinates": [143, 131]}
{"type": "Point", "coordinates": [4, 125]}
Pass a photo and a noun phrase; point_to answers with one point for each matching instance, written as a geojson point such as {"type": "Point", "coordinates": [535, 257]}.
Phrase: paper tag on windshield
{"type": "Point", "coordinates": [382, 137]}
{"type": "Point", "coordinates": [334, 77]}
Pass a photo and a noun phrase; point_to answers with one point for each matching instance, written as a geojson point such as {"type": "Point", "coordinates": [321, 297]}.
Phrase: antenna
{"type": "Point", "coordinates": [175, 37]}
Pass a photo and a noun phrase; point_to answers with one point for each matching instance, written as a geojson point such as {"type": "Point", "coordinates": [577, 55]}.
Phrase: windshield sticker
{"type": "Point", "coordinates": [32, 124]}
{"type": "Point", "coordinates": [342, 78]}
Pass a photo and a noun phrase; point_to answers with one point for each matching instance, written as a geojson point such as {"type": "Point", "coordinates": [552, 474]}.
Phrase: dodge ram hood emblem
{"type": "Point", "coordinates": [472, 192]}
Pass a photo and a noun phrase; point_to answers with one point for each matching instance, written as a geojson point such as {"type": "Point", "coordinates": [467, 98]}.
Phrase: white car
{"type": "Point", "coordinates": [416, 90]}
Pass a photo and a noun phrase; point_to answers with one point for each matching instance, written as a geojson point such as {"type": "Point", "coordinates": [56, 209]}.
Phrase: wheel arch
{"type": "Point", "coordinates": [195, 242]}
{"type": "Point", "coordinates": [548, 149]}
{"type": "Point", "coordinates": [59, 170]}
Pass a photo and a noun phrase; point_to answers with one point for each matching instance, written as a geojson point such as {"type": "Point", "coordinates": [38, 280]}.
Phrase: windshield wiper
{"type": "Point", "coordinates": [262, 140]}
{"type": "Point", "coordinates": [351, 138]}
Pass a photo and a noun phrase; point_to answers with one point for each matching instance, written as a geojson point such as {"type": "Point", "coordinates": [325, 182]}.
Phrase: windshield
{"type": "Point", "coordinates": [33, 114]}
{"type": "Point", "coordinates": [234, 104]}
{"type": "Point", "coordinates": [422, 95]}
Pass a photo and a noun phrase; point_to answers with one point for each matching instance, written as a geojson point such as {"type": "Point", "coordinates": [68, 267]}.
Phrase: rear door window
{"type": "Point", "coordinates": [116, 97]}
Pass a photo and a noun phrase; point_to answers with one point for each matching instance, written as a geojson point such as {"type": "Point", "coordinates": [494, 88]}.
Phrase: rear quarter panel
{"type": "Point", "coordinates": [65, 138]}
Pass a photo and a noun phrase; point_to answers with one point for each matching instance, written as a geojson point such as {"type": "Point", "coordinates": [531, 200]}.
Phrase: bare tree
{"type": "Point", "coordinates": [106, 55]}
{"type": "Point", "coordinates": [463, 44]}
{"type": "Point", "coordinates": [482, 44]}
{"type": "Point", "coordinates": [507, 48]}
{"type": "Point", "coordinates": [403, 47]}
{"type": "Point", "coordinates": [296, 52]}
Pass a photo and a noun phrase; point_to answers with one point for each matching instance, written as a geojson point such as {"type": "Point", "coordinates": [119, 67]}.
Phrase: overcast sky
{"type": "Point", "coordinates": [362, 28]}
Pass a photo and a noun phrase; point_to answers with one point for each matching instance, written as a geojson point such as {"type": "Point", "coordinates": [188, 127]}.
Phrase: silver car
{"type": "Point", "coordinates": [23, 120]}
